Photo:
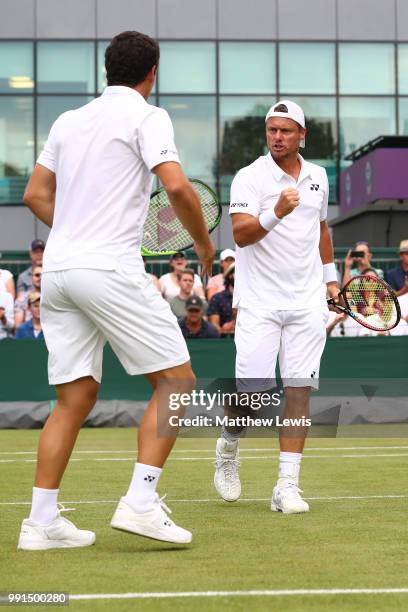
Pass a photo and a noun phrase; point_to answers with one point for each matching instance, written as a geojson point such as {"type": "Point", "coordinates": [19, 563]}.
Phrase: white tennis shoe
{"type": "Point", "coordinates": [61, 533]}
{"type": "Point", "coordinates": [286, 498]}
{"type": "Point", "coordinates": [226, 477]}
{"type": "Point", "coordinates": [153, 524]}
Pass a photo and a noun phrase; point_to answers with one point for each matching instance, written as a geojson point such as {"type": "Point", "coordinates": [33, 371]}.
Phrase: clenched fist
{"type": "Point", "coordinates": [288, 200]}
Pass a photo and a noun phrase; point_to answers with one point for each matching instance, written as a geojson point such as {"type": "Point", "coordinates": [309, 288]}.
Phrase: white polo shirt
{"type": "Point", "coordinates": [283, 271]}
{"type": "Point", "coordinates": [102, 155]}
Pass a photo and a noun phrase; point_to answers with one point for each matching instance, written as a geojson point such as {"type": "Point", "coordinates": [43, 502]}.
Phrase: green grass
{"type": "Point", "coordinates": [341, 543]}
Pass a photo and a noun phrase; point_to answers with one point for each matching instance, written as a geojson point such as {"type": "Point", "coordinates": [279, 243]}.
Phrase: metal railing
{"type": "Point", "coordinates": [160, 266]}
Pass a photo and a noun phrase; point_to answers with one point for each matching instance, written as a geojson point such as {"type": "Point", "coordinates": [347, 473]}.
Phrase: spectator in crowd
{"type": "Point", "coordinates": [7, 283]}
{"type": "Point", "coordinates": [24, 281]}
{"type": "Point", "coordinates": [353, 266]}
{"type": "Point", "coordinates": [22, 312]}
{"type": "Point", "coordinates": [32, 328]}
{"type": "Point", "coordinates": [216, 283]}
{"type": "Point", "coordinates": [6, 315]}
{"type": "Point", "coordinates": [169, 284]}
{"type": "Point", "coordinates": [186, 282]}
{"type": "Point", "coordinates": [220, 312]}
{"type": "Point", "coordinates": [193, 325]}
{"type": "Point", "coordinates": [397, 277]}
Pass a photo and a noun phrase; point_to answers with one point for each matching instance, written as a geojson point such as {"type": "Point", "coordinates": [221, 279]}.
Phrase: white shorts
{"type": "Point", "coordinates": [298, 337]}
{"type": "Point", "coordinates": [82, 309]}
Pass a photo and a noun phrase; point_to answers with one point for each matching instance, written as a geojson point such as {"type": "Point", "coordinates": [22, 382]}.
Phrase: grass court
{"type": "Point", "coordinates": [355, 536]}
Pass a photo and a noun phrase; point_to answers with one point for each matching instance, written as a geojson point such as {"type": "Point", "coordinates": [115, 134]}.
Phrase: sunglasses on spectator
{"type": "Point", "coordinates": [38, 274]}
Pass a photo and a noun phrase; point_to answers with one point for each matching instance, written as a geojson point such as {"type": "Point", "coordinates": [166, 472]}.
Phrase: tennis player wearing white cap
{"type": "Point", "coordinates": [284, 259]}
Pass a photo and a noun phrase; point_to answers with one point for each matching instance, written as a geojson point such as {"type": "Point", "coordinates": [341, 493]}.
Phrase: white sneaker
{"type": "Point", "coordinates": [226, 477]}
{"type": "Point", "coordinates": [286, 498]}
{"type": "Point", "coordinates": [152, 524]}
{"type": "Point", "coordinates": [61, 533]}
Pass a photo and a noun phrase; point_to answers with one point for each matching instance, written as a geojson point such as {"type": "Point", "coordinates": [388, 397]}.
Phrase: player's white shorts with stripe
{"type": "Point", "coordinates": [82, 309]}
{"type": "Point", "coordinates": [297, 337]}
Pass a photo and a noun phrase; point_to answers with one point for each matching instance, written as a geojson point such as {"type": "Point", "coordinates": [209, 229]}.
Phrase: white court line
{"type": "Point", "coordinates": [257, 458]}
{"type": "Point", "coordinates": [211, 450]}
{"type": "Point", "coordinates": [252, 593]}
{"type": "Point", "coordinates": [217, 499]}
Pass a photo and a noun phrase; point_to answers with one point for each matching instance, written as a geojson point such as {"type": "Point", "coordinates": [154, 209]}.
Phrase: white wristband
{"type": "Point", "coordinates": [329, 273]}
{"type": "Point", "coordinates": [268, 219]}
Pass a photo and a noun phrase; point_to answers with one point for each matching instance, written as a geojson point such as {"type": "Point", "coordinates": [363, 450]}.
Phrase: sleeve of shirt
{"type": "Point", "coordinates": [48, 156]}
{"type": "Point", "coordinates": [391, 280]}
{"type": "Point", "coordinates": [9, 311]}
{"type": "Point", "coordinates": [6, 275]}
{"type": "Point", "coordinates": [156, 139]}
{"type": "Point", "coordinates": [323, 212]}
{"type": "Point", "coordinates": [197, 281]}
{"type": "Point", "coordinates": [244, 198]}
{"type": "Point", "coordinates": [213, 306]}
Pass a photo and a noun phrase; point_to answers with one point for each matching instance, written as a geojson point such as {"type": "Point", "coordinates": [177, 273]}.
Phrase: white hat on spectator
{"type": "Point", "coordinates": [227, 253]}
{"type": "Point", "coordinates": [403, 247]}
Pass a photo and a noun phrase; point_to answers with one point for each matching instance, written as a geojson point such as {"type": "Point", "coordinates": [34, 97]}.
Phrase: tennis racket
{"type": "Point", "coordinates": [370, 302]}
{"type": "Point", "coordinates": [163, 233]}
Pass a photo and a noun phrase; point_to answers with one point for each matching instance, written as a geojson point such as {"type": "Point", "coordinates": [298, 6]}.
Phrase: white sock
{"type": "Point", "coordinates": [289, 465]}
{"type": "Point", "coordinates": [44, 506]}
{"type": "Point", "coordinates": [142, 489]}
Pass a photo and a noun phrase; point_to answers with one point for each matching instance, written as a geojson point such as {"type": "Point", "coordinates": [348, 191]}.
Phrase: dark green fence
{"type": "Point", "coordinates": [23, 366]}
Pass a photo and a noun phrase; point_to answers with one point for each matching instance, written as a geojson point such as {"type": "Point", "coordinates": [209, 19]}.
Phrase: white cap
{"type": "Point", "coordinates": [288, 110]}
{"type": "Point", "coordinates": [227, 253]}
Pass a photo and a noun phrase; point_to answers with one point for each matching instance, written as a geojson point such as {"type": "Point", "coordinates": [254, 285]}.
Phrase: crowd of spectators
{"type": "Point", "coordinates": [200, 313]}
{"type": "Point", "coordinates": [20, 309]}
{"type": "Point", "coordinates": [358, 261]}
{"type": "Point", "coordinates": [183, 289]}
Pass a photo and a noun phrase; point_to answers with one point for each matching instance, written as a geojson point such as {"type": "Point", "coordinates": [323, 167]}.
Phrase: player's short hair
{"type": "Point", "coordinates": [189, 271]}
{"type": "Point", "coordinates": [129, 57]}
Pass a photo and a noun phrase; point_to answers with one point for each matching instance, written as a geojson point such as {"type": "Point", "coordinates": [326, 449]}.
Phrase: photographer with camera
{"type": "Point", "coordinates": [358, 261]}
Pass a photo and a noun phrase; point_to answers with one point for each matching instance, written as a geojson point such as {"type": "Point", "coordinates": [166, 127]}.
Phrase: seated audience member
{"type": "Point", "coordinates": [397, 277]}
{"type": "Point", "coordinates": [216, 283]}
{"type": "Point", "coordinates": [169, 284]}
{"type": "Point", "coordinates": [193, 325]}
{"type": "Point", "coordinates": [32, 328]}
{"type": "Point", "coordinates": [353, 266]}
{"type": "Point", "coordinates": [7, 283]}
{"type": "Point", "coordinates": [22, 312]}
{"type": "Point", "coordinates": [24, 281]}
{"type": "Point", "coordinates": [186, 282]}
{"type": "Point", "coordinates": [6, 315]}
{"type": "Point", "coordinates": [220, 312]}
{"type": "Point", "coordinates": [340, 325]}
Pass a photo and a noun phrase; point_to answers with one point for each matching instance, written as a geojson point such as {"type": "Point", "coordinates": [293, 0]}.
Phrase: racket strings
{"type": "Point", "coordinates": [164, 232]}
{"type": "Point", "coordinates": [371, 301]}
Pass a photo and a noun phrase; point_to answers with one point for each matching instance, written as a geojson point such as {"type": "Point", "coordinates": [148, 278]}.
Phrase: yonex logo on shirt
{"type": "Point", "coordinates": [239, 204]}
{"type": "Point", "coordinates": [314, 187]}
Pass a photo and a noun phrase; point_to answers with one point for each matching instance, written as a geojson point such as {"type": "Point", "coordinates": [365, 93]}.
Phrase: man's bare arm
{"type": "Point", "coordinates": [39, 194]}
{"type": "Point", "coordinates": [325, 245]}
{"type": "Point", "coordinates": [186, 204]}
{"type": "Point", "coordinates": [327, 257]}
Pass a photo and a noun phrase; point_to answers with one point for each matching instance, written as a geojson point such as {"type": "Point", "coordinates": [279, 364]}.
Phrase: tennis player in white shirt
{"type": "Point", "coordinates": [92, 186]}
{"type": "Point", "coordinates": [284, 267]}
